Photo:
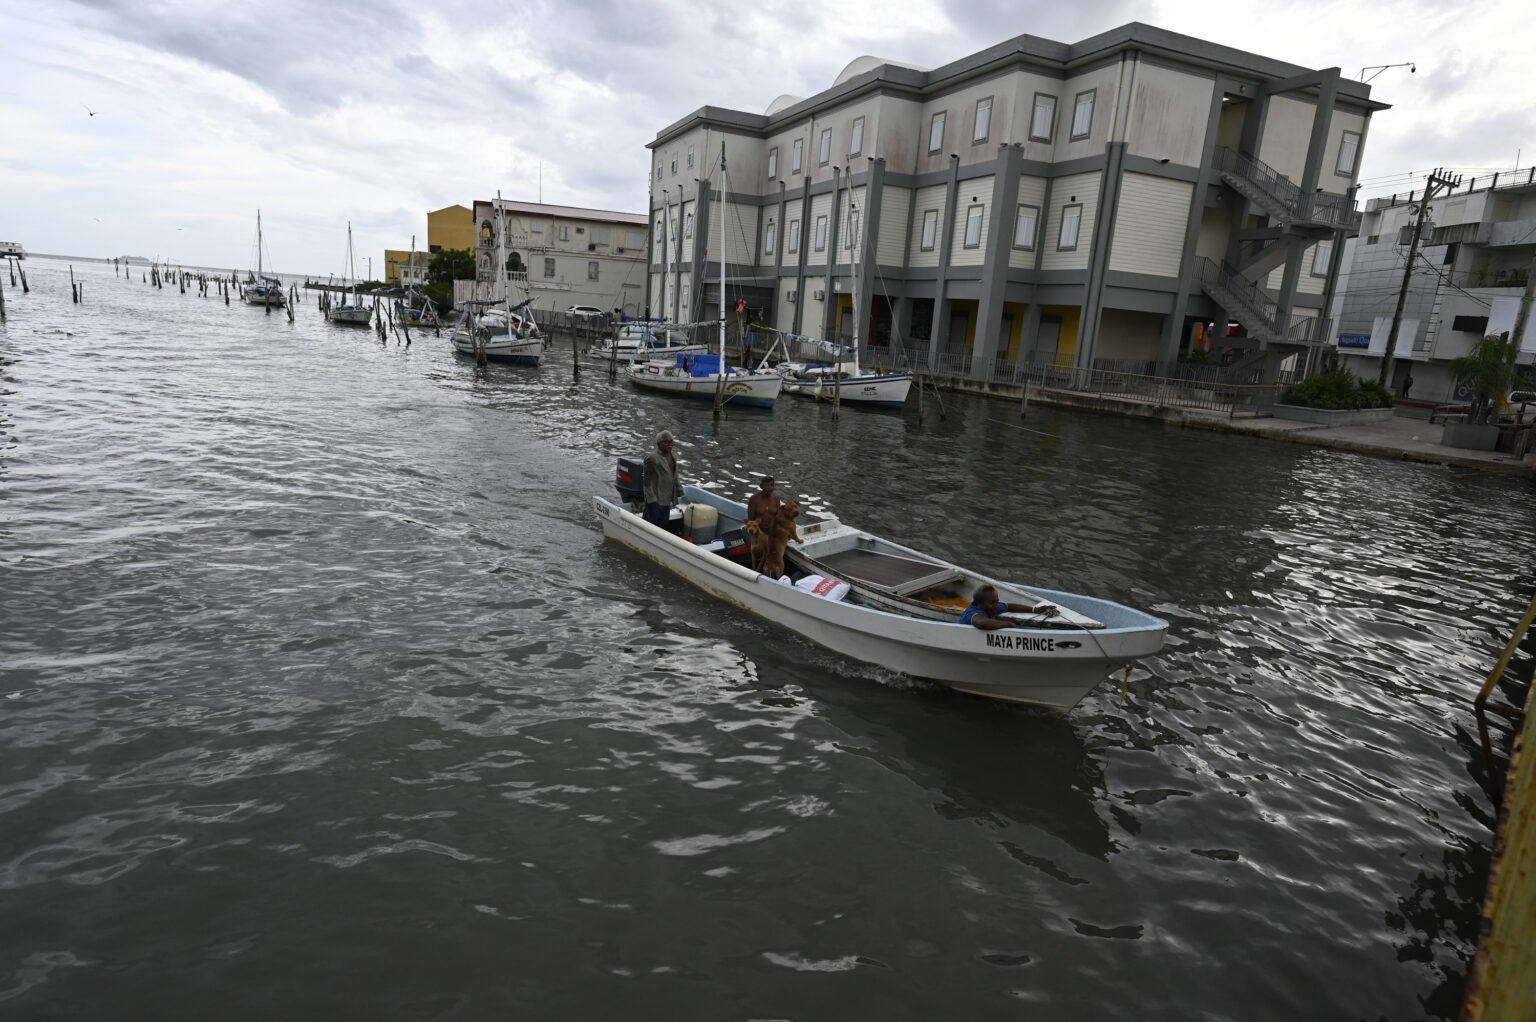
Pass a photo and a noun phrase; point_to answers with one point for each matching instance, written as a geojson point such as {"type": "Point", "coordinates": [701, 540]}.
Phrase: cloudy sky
{"type": "Point", "coordinates": [157, 128]}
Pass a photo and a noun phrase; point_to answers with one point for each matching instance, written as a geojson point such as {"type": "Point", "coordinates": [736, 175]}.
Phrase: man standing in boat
{"type": "Point", "coordinates": [764, 506]}
{"type": "Point", "coordinates": [661, 487]}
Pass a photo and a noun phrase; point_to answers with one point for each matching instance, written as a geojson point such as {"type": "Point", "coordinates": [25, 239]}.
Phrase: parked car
{"type": "Point", "coordinates": [587, 312]}
{"type": "Point", "coordinates": [1519, 405]}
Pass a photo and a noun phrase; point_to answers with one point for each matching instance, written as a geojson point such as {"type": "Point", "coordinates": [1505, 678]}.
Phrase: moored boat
{"type": "Point", "coordinates": [702, 376]}
{"type": "Point", "coordinates": [349, 312]}
{"type": "Point", "coordinates": [641, 342]}
{"type": "Point", "coordinates": [900, 609]}
{"type": "Point", "coordinates": [263, 290]}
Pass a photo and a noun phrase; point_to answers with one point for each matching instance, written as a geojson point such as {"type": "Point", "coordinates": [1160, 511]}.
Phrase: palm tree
{"type": "Point", "coordinates": [1490, 369]}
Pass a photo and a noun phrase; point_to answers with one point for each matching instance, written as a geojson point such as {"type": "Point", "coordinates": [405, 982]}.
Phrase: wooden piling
{"type": "Point", "coordinates": [74, 295]}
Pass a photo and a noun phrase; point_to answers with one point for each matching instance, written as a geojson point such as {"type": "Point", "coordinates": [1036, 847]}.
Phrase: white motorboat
{"type": "Point", "coordinates": [900, 609]}
{"type": "Point", "coordinates": [12, 250]}
{"type": "Point", "coordinates": [641, 342]}
{"type": "Point", "coordinates": [345, 312]}
{"type": "Point", "coordinates": [264, 290]}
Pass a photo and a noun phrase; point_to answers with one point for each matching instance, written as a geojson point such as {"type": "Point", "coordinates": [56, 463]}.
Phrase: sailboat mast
{"type": "Point", "coordinates": [258, 246]}
{"type": "Point", "coordinates": [501, 258]}
{"type": "Point", "coordinates": [722, 259]}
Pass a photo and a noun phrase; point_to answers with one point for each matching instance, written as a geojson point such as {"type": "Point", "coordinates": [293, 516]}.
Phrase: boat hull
{"type": "Point", "coordinates": [1048, 667]}
{"type": "Point", "coordinates": [876, 391]}
{"type": "Point", "coordinates": [503, 348]}
{"type": "Point", "coordinates": [350, 315]}
{"type": "Point", "coordinates": [258, 295]}
{"type": "Point", "coordinates": [755, 390]}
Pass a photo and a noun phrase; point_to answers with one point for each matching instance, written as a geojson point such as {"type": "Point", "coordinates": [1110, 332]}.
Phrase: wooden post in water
{"type": "Point", "coordinates": [74, 296]}
{"type": "Point", "coordinates": [2, 301]}
{"type": "Point", "coordinates": [24, 288]}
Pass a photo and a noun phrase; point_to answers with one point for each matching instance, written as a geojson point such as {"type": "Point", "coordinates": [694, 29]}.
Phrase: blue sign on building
{"type": "Point", "coordinates": [1354, 340]}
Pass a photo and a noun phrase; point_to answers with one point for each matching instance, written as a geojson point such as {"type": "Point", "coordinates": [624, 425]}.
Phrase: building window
{"type": "Point", "coordinates": [674, 164]}
{"type": "Point", "coordinates": [853, 229]}
{"type": "Point", "coordinates": [794, 237]}
{"type": "Point", "coordinates": [1372, 239]}
{"type": "Point", "coordinates": [565, 232]}
{"type": "Point", "coordinates": [1071, 219]}
{"type": "Point", "coordinates": [826, 147]}
{"type": "Point", "coordinates": [658, 171]}
{"type": "Point", "coordinates": [1043, 122]}
{"type": "Point", "coordinates": [1322, 255]}
{"type": "Point", "coordinates": [773, 163]}
{"type": "Point", "coordinates": [1082, 115]}
{"type": "Point", "coordinates": [549, 267]}
{"type": "Point", "coordinates": [688, 226]}
{"type": "Point", "coordinates": [768, 239]}
{"type": "Point", "coordinates": [797, 160]}
{"type": "Point", "coordinates": [983, 125]}
{"type": "Point", "coordinates": [685, 298]}
{"type": "Point", "coordinates": [936, 132]}
{"type": "Point", "coordinates": [592, 270]}
{"type": "Point", "coordinates": [856, 141]}
{"type": "Point", "coordinates": [1349, 148]}
{"type": "Point", "coordinates": [821, 233]}
{"type": "Point", "coordinates": [1024, 228]}
{"type": "Point", "coordinates": [690, 156]}
{"type": "Point", "coordinates": [973, 227]}
{"type": "Point", "coordinates": [930, 230]}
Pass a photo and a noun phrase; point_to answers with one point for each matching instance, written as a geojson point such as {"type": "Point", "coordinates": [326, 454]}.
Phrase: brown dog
{"type": "Point", "coordinates": [758, 538]}
{"type": "Point", "coordinates": [784, 530]}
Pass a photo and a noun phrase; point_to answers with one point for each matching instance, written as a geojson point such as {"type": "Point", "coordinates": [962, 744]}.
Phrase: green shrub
{"type": "Point", "coordinates": [1338, 389]}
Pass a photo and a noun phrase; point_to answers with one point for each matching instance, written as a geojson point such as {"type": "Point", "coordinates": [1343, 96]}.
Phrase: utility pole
{"type": "Point", "coordinates": [1524, 315]}
{"type": "Point", "coordinates": [1436, 180]}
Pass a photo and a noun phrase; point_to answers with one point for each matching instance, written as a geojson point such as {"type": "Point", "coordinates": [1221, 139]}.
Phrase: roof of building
{"type": "Point", "coordinates": [569, 212]}
{"type": "Point", "coordinates": [866, 73]}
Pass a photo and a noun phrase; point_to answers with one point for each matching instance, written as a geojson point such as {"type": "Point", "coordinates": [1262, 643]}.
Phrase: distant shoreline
{"type": "Point", "coordinates": [146, 262]}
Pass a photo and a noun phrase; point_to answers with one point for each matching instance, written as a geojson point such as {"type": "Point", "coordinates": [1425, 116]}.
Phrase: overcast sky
{"type": "Point", "coordinates": [376, 112]}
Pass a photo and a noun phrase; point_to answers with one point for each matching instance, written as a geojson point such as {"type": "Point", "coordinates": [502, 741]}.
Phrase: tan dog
{"type": "Point", "coordinates": [783, 531]}
{"type": "Point", "coordinates": [758, 538]}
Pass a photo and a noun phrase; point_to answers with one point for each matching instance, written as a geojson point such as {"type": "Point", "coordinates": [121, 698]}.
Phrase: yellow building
{"type": "Point", "coordinates": [452, 227]}
{"type": "Point", "coordinates": [395, 258]}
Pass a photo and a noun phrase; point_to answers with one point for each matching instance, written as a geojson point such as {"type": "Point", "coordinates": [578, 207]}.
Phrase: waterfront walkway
{"type": "Point", "coordinates": [1408, 435]}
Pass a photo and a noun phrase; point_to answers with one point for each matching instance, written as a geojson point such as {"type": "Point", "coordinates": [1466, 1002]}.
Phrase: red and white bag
{"type": "Point", "coordinates": [829, 588]}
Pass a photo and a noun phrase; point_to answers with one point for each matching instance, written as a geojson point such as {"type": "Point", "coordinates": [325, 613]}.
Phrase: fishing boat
{"type": "Point", "coordinates": [12, 250]}
{"type": "Point", "coordinates": [415, 309]}
{"type": "Point", "coordinates": [353, 312]}
{"type": "Point", "coordinates": [882, 603]}
{"type": "Point", "coordinates": [263, 290]}
{"type": "Point", "coordinates": [709, 377]}
{"type": "Point", "coordinates": [642, 341]}
{"type": "Point", "coordinates": [497, 330]}
{"type": "Point", "coordinates": [846, 383]}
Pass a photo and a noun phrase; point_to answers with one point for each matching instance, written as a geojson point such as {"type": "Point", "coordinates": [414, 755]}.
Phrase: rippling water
{"type": "Point", "coordinates": [324, 697]}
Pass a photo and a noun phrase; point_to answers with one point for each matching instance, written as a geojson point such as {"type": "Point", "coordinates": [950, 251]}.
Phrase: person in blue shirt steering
{"type": "Point", "coordinates": [986, 611]}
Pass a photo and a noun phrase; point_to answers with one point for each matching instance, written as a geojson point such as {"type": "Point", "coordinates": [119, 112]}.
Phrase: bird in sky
{"type": "Point", "coordinates": [89, 110]}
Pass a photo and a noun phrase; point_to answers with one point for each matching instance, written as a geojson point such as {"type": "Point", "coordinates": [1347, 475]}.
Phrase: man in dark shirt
{"type": "Point", "coordinates": [662, 489]}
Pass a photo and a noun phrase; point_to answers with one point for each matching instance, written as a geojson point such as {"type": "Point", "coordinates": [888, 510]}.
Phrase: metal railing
{"type": "Point", "coordinates": [1249, 295]}
{"type": "Point", "coordinates": [1318, 208]}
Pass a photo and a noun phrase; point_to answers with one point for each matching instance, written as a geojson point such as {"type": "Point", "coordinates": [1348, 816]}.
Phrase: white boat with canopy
{"type": "Point", "coordinates": [898, 608]}
{"type": "Point", "coordinates": [643, 341]}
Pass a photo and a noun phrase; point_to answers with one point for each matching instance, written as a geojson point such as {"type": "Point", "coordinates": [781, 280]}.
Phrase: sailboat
{"type": "Point", "coordinates": [263, 290]}
{"type": "Point", "coordinates": [708, 377]}
{"type": "Point", "coordinates": [415, 309]}
{"type": "Point", "coordinates": [843, 381]}
{"type": "Point", "coordinates": [353, 313]}
{"type": "Point", "coordinates": [497, 329]}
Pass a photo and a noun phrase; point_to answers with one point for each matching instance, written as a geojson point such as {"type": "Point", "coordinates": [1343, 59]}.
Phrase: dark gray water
{"type": "Point", "coordinates": [323, 697]}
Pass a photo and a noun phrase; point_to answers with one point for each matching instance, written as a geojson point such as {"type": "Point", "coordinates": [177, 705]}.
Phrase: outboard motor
{"type": "Point", "coordinates": [630, 480]}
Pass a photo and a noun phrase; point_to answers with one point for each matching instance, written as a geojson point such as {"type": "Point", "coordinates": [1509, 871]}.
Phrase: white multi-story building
{"type": "Point", "coordinates": [571, 256]}
{"type": "Point", "coordinates": [1476, 253]}
{"type": "Point", "coordinates": [1065, 204]}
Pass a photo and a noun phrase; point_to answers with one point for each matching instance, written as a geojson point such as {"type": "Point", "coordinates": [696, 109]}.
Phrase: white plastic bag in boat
{"type": "Point", "coordinates": [830, 588]}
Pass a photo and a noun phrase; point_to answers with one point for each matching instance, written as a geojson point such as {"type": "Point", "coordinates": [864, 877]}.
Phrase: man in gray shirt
{"type": "Point", "coordinates": [662, 489]}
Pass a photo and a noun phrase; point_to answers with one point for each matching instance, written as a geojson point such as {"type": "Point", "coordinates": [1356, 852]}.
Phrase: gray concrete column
{"type": "Point", "coordinates": [997, 246]}
{"type": "Point", "coordinates": [1110, 183]}
{"type": "Point", "coordinates": [946, 229]}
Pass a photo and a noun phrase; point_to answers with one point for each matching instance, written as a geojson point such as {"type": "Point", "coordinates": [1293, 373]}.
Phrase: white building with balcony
{"type": "Point", "coordinates": [1069, 204]}
{"type": "Point", "coordinates": [565, 255]}
{"type": "Point", "coordinates": [1475, 257]}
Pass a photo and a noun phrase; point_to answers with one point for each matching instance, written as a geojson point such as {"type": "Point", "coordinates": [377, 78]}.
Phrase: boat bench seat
{"type": "Point", "coordinates": [887, 573]}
